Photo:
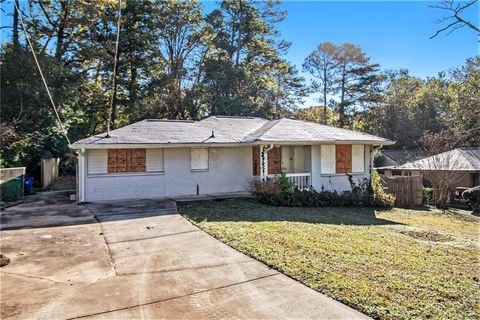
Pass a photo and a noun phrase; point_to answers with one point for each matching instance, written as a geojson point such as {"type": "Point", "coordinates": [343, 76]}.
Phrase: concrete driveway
{"type": "Point", "coordinates": [137, 259]}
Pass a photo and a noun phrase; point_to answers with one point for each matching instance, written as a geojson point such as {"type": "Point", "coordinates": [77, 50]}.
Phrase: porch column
{"type": "Point", "coordinates": [263, 162]}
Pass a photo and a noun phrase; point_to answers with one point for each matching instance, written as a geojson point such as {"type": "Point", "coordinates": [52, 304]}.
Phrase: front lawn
{"type": "Point", "coordinates": [398, 264]}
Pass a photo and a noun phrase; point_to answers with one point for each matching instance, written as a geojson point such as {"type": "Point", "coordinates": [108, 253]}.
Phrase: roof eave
{"type": "Point", "coordinates": [316, 142]}
{"type": "Point", "coordinates": [424, 169]}
{"type": "Point", "coordinates": [77, 146]}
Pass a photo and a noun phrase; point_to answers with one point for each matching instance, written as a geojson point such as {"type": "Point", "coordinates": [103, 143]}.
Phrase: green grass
{"type": "Point", "coordinates": [397, 264]}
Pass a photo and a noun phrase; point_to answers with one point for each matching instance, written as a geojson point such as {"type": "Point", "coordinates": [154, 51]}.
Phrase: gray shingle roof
{"type": "Point", "coordinates": [300, 130]}
{"type": "Point", "coordinates": [227, 130]}
{"type": "Point", "coordinates": [401, 156]}
{"type": "Point", "coordinates": [461, 159]}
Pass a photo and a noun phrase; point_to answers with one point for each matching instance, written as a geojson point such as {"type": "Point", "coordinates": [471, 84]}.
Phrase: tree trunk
{"type": "Point", "coordinates": [324, 91]}
{"type": "Point", "coordinates": [60, 49]}
{"type": "Point", "coordinates": [16, 42]}
{"type": "Point", "coordinates": [341, 109]}
{"type": "Point", "coordinates": [113, 115]}
{"type": "Point", "coordinates": [440, 196]}
{"type": "Point", "coordinates": [114, 106]}
{"type": "Point", "coordinates": [132, 88]}
{"type": "Point", "coordinates": [239, 38]}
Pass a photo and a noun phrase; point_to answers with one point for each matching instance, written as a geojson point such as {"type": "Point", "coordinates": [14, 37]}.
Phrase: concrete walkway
{"type": "Point", "coordinates": [138, 259]}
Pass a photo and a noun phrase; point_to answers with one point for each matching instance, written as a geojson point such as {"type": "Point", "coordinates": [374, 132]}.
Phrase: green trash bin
{"type": "Point", "coordinates": [12, 189]}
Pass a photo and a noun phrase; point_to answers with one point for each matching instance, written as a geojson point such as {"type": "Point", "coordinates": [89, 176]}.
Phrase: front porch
{"type": "Point", "coordinates": [294, 160]}
{"type": "Point", "coordinates": [301, 180]}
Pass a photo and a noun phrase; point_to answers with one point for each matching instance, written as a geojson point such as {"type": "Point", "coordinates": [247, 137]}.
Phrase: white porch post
{"type": "Point", "coordinates": [263, 162]}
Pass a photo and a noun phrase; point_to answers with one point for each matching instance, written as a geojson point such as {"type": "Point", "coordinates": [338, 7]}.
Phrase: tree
{"type": "Point", "coordinates": [322, 65]}
{"type": "Point", "coordinates": [139, 60]}
{"type": "Point", "coordinates": [31, 128]}
{"type": "Point", "coordinates": [455, 20]}
{"type": "Point", "coordinates": [316, 114]}
{"type": "Point", "coordinates": [462, 115]}
{"type": "Point", "coordinates": [345, 72]}
{"type": "Point", "coordinates": [358, 80]}
{"type": "Point", "coordinates": [445, 104]}
{"type": "Point", "coordinates": [439, 167]}
{"type": "Point", "coordinates": [244, 72]}
{"type": "Point", "coordinates": [181, 31]}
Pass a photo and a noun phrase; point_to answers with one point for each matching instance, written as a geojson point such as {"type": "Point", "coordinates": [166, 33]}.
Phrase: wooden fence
{"type": "Point", "coordinates": [49, 171]}
{"type": "Point", "coordinates": [406, 189]}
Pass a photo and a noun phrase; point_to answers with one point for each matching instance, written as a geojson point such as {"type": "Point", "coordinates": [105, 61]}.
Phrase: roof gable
{"type": "Point", "coordinates": [461, 159]}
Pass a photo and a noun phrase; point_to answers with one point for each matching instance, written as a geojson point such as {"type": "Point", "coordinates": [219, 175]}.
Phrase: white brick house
{"type": "Point", "coordinates": [162, 158]}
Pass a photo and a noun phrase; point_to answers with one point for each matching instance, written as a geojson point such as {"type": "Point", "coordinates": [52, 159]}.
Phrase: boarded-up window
{"type": "Point", "coordinates": [199, 159]}
{"type": "Point", "coordinates": [126, 160]}
{"type": "Point", "coordinates": [274, 160]}
{"type": "Point", "coordinates": [154, 160]}
{"type": "Point", "coordinates": [327, 153]}
{"type": "Point", "coordinates": [343, 158]}
{"type": "Point", "coordinates": [256, 160]}
{"type": "Point", "coordinates": [97, 161]}
{"type": "Point", "coordinates": [358, 158]}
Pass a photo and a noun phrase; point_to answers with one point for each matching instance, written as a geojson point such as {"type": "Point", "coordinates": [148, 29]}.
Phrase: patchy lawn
{"type": "Point", "coordinates": [63, 183]}
{"type": "Point", "coordinates": [394, 264]}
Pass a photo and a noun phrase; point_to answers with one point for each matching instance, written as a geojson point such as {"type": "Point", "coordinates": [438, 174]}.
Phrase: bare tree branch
{"type": "Point", "coordinates": [456, 11]}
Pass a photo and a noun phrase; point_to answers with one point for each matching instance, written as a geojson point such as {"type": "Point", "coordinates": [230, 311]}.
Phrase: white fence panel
{"type": "Point", "coordinates": [49, 169]}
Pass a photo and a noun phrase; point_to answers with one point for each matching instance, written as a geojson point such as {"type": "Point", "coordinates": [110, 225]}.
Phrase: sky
{"type": "Point", "coordinates": [394, 34]}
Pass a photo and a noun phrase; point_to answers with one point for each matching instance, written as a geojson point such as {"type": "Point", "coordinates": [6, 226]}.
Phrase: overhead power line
{"type": "Point", "coordinates": [114, 77]}
{"type": "Point", "coordinates": [64, 131]}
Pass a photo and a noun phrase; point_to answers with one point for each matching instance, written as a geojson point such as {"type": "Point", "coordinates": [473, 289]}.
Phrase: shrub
{"type": "Point", "coordinates": [380, 197]}
{"type": "Point", "coordinates": [472, 195]}
{"type": "Point", "coordinates": [281, 192]}
{"type": "Point", "coordinates": [427, 195]}
{"type": "Point", "coordinates": [285, 184]}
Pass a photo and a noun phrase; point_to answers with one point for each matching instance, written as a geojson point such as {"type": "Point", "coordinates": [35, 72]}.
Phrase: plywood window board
{"type": "Point", "coordinates": [126, 160]}
{"type": "Point", "coordinates": [343, 158]}
{"type": "Point", "coordinates": [274, 160]}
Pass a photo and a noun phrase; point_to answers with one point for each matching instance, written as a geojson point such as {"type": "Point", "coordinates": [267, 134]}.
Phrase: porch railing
{"type": "Point", "coordinates": [300, 180]}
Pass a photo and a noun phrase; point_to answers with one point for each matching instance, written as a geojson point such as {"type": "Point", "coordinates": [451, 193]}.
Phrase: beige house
{"type": "Point", "coordinates": [167, 158]}
{"type": "Point", "coordinates": [463, 164]}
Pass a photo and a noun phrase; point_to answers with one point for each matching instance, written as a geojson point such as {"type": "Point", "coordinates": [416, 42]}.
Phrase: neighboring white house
{"type": "Point", "coordinates": [162, 158]}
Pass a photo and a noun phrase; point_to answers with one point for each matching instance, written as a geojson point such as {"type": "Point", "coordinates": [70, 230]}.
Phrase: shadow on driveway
{"type": "Point", "coordinates": [54, 209]}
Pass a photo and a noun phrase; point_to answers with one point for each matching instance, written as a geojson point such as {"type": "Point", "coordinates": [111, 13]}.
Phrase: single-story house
{"type": "Point", "coordinates": [462, 163]}
{"type": "Point", "coordinates": [220, 154]}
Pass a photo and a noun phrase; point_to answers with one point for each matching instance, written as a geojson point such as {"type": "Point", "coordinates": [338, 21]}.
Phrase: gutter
{"type": "Point", "coordinates": [269, 148]}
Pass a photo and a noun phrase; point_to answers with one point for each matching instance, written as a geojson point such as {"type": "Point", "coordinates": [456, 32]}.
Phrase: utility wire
{"type": "Point", "coordinates": [114, 77]}
{"type": "Point", "coordinates": [64, 131]}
